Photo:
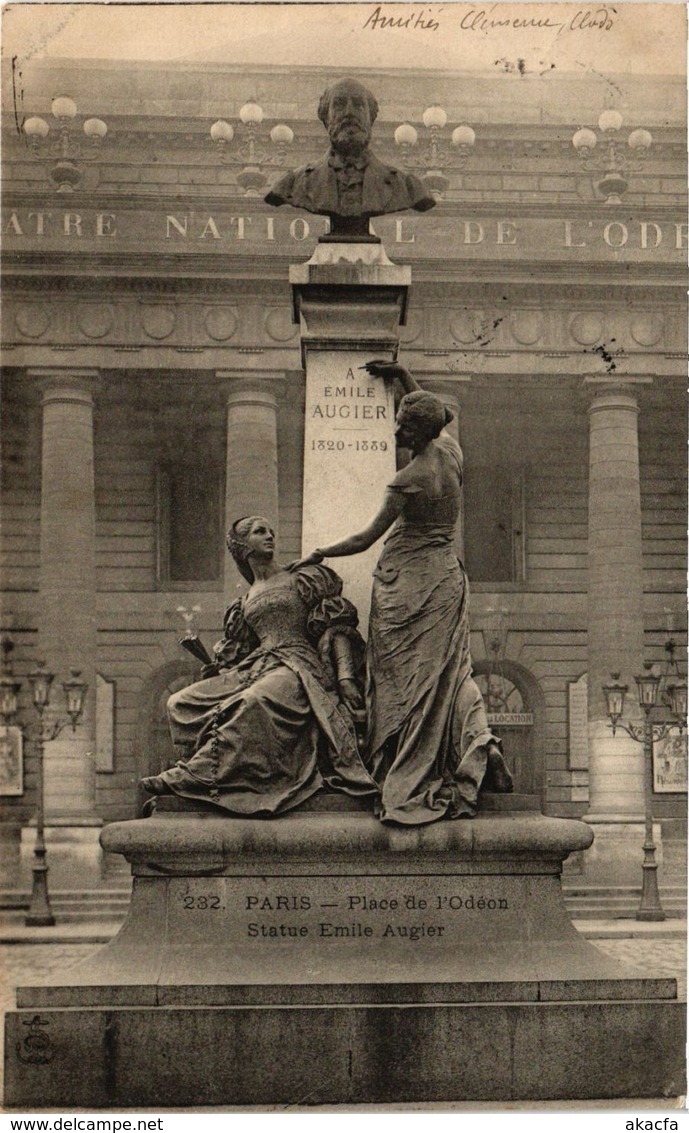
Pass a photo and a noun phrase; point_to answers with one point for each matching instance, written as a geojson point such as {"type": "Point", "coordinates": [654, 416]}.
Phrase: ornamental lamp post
{"type": "Point", "coordinates": [249, 153]}
{"type": "Point", "coordinates": [75, 692]}
{"type": "Point", "coordinates": [611, 161]}
{"type": "Point", "coordinates": [40, 912]}
{"type": "Point", "coordinates": [677, 692]}
{"type": "Point", "coordinates": [433, 158]}
{"type": "Point", "coordinates": [614, 699]}
{"type": "Point", "coordinates": [65, 174]}
{"type": "Point", "coordinates": [649, 687]}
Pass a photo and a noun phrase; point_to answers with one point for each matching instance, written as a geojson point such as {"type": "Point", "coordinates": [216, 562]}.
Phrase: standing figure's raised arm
{"type": "Point", "coordinates": [391, 508]}
{"type": "Point", "coordinates": [378, 368]}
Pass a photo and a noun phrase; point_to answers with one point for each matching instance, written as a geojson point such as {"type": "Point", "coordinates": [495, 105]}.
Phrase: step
{"type": "Point", "coordinates": [17, 898]}
{"type": "Point", "coordinates": [15, 919]}
{"type": "Point", "coordinates": [70, 906]}
{"type": "Point", "coordinates": [593, 895]}
{"type": "Point", "coordinates": [603, 914]}
{"type": "Point", "coordinates": [620, 902]}
{"type": "Point", "coordinates": [616, 890]}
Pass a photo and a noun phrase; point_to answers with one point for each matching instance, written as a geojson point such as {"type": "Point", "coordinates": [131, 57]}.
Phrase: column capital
{"type": "Point", "coordinates": [610, 392]}
{"type": "Point", "coordinates": [65, 384]}
{"type": "Point", "coordinates": [257, 378]}
{"type": "Point", "coordinates": [618, 381]}
{"type": "Point", "coordinates": [625, 385]}
{"type": "Point", "coordinates": [246, 387]}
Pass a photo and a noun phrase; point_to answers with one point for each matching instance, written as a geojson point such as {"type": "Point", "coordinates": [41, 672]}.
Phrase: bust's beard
{"type": "Point", "coordinates": [349, 140]}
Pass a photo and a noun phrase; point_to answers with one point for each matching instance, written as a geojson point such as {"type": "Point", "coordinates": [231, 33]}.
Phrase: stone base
{"type": "Point", "coordinates": [616, 855]}
{"type": "Point", "coordinates": [338, 1055]}
{"type": "Point", "coordinates": [74, 855]}
{"type": "Point", "coordinates": [323, 958]}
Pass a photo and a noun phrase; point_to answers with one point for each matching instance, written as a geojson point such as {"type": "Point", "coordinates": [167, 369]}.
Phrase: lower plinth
{"type": "Point", "coordinates": [326, 959]}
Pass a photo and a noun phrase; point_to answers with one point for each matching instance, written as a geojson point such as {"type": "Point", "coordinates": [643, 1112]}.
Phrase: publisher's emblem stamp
{"type": "Point", "coordinates": [36, 1047]}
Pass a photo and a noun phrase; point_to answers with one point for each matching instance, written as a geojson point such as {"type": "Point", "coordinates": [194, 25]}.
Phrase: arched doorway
{"type": "Point", "coordinates": [155, 746]}
{"type": "Point", "coordinates": [516, 713]}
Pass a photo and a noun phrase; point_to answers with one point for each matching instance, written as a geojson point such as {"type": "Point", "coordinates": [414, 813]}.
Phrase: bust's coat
{"type": "Point", "coordinates": [385, 189]}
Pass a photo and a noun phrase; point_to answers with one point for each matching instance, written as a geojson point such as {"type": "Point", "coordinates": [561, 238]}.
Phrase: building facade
{"type": "Point", "coordinates": [153, 391]}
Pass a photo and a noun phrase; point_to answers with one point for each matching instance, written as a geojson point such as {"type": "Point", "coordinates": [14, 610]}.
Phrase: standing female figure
{"type": "Point", "coordinates": [429, 744]}
{"type": "Point", "coordinates": [272, 723]}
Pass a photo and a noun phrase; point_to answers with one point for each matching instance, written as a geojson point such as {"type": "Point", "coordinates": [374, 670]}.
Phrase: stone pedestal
{"type": "Point", "coordinates": [350, 301]}
{"type": "Point", "coordinates": [324, 958]}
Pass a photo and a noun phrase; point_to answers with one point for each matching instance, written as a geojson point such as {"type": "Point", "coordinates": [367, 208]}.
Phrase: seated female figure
{"type": "Point", "coordinates": [272, 722]}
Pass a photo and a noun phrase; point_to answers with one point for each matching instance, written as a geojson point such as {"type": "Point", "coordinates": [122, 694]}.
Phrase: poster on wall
{"type": "Point", "coordinates": [11, 761]}
{"type": "Point", "coordinates": [670, 763]}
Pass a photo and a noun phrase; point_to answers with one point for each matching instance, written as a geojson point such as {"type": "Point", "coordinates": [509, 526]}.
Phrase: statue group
{"type": "Point", "coordinates": [272, 722]}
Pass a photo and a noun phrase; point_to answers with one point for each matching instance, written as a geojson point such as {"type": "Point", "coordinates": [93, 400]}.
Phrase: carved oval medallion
{"type": "Point", "coordinates": [413, 329]}
{"type": "Point", "coordinates": [466, 326]}
{"type": "Point", "coordinates": [220, 323]}
{"type": "Point", "coordinates": [32, 319]}
{"type": "Point", "coordinates": [586, 327]}
{"type": "Point", "coordinates": [158, 321]}
{"type": "Point", "coordinates": [527, 326]}
{"type": "Point", "coordinates": [647, 328]}
{"type": "Point", "coordinates": [279, 325]}
{"type": "Point", "coordinates": [95, 319]}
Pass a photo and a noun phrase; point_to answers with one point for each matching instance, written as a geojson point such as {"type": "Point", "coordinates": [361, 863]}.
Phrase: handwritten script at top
{"type": "Point", "coordinates": [487, 19]}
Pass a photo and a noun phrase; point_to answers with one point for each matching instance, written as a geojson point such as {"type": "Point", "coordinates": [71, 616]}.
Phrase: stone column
{"type": "Point", "coordinates": [614, 623]}
{"type": "Point", "coordinates": [67, 614]}
{"type": "Point", "coordinates": [350, 300]}
{"type": "Point", "coordinates": [251, 485]}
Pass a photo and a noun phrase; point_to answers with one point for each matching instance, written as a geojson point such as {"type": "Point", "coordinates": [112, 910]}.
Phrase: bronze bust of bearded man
{"type": "Point", "coordinates": [349, 184]}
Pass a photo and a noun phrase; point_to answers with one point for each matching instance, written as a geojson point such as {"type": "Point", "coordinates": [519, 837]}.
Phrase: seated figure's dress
{"type": "Point", "coordinates": [271, 730]}
{"type": "Point", "coordinates": [427, 720]}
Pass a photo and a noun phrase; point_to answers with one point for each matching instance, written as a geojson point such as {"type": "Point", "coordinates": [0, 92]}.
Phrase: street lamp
{"type": "Point", "coordinates": [675, 693]}
{"type": "Point", "coordinates": [40, 680]}
{"type": "Point", "coordinates": [64, 173]}
{"type": "Point", "coordinates": [612, 162]}
{"type": "Point", "coordinates": [434, 157]}
{"type": "Point", "coordinates": [249, 153]}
